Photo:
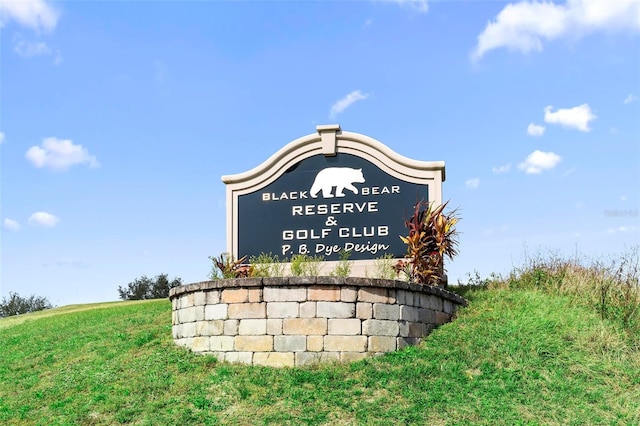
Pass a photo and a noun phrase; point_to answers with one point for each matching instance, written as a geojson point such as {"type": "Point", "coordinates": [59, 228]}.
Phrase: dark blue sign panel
{"type": "Point", "coordinates": [323, 205]}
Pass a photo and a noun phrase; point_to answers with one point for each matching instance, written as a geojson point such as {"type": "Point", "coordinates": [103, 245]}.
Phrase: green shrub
{"type": "Point", "coordinates": [384, 268]}
{"type": "Point", "coordinates": [266, 265]}
{"type": "Point", "coordinates": [305, 265]}
{"type": "Point", "coordinates": [17, 305]}
{"type": "Point", "coordinates": [343, 268]}
{"type": "Point", "coordinates": [146, 288]}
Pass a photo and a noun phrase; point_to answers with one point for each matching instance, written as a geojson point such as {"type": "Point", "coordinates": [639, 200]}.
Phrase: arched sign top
{"type": "Point", "coordinates": [325, 193]}
{"type": "Point", "coordinates": [330, 140]}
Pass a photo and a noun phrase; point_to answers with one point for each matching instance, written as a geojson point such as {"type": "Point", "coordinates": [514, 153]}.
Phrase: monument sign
{"type": "Point", "coordinates": [328, 192]}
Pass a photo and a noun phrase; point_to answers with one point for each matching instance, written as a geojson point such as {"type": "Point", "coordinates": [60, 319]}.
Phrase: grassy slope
{"type": "Point", "coordinates": [517, 357]}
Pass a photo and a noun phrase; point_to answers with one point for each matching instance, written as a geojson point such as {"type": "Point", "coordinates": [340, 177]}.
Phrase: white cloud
{"type": "Point", "coordinates": [524, 25]}
{"type": "Point", "coordinates": [72, 263]}
{"type": "Point", "coordinates": [538, 161]}
{"type": "Point", "coordinates": [622, 229]}
{"type": "Point", "coordinates": [577, 117]}
{"type": "Point", "coordinates": [472, 183]}
{"type": "Point", "coordinates": [421, 6]}
{"type": "Point", "coordinates": [501, 169]}
{"type": "Point", "coordinates": [1, 138]}
{"type": "Point", "coordinates": [535, 130]}
{"type": "Point", "coordinates": [630, 98]}
{"type": "Point", "coordinates": [43, 219]}
{"type": "Point", "coordinates": [346, 102]}
{"type": "Point", "coordinates": [623, 198]}
{"type": "Point", "coordinates": [11, 225]}
{"type": "Point", "coordinates": [38, 15]}
{"type": "Point", "coordinates": [58, 154]}
{"type": "Point", "coordinates": [29, 49]}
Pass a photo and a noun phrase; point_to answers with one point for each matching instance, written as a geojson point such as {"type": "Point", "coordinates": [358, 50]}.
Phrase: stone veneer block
{"type": "Point", "coordinates": [221, 343]}
{"type": "Point", "coordinates": [187, 301]}
{"type": "Point", "coordinates": [274, 359]}
{"type": "Point", "coordinates": [253, 343]}
{"type": "Point", "coordinates": [310, 358]}
{"type": "Point", "coordinates": [364, 310]}
{"type": "Point", "coordinates": [199, 298]}
{"type": "Point", "coordinates": [308, 310]}
{"type": "Point", "coordinates": [274, 326]}
{"type": "Point", "coordinates": [187, 314]}
{"type": "Point", "coordinates": [187, 330]}
{"type": "Point", "coordinates": [213, 297]}
{"type": "Point", "coordinates": [373, 294]}
{"type": "Point", "coordinates": [352, 356]}
{"type": "Point", "coordinates": [235, 295]}
{"type": "Point", "coordinates": [405, 297]}
{"type": "Point", "coordinates": [442, 318]}
{"type": "Point", "coordinates": [431, 302]}
{"type": "Point", "coordinates": [345, 343]}
{"type": "Point", "coordinates": [200, 344]}
{"type": "Point", "coordinates": [209, 328]}
{"type": "Point", "coordinates": [214, 312]}
{"type": "Point", "coordinates": [381, 344]}
{"type": "Point", "coordinates": [336, 310]}
{"type": "Point", "coordinates": [386, 312]}
{"type": "Point", "coordinates": [315, 343]}
{"type": "Point", "coordinates": [255, 295]}
{"type": "Point", "coordinates": [345, 327]}
{"type": "Point", "coordinates": [412, 329]}
{"type": "Point", "coordinates": [290, 343]}
{"type": "Point", "coordinates": [186, 342]}
{"type": "Point", "coordinates": [247, 310]}
{"type": "Point", "coordinates": [239, 357]}
{"type": "Point", "coordinates": [252, 327]}
{"type": "Point", "coordinates": [427, 316]}
{"type": "Point", "coordinates": [283, 309]}
{"type": "Point", "coordinates": [230, 327]}
{"type": "Point", "coordinates": [324, 293]}
{"type": "Point", "coordinates": [403, 342]}
{"type": "Point", "coordinates": [380, 328]}
{"type": "Point", "coordinates": [306, 326]}
{"type": "Point", "coordinates": [409, 313]}
{"type": "Point", "coordinates": [448, 307]}
{"type": "Point", "coordinates": [349, 294]}
{"type": "Point", "coordinates": [284, 294]}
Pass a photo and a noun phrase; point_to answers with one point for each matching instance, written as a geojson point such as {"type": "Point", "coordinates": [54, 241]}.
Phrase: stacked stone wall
{"type": "Point", "coordinates": [294, 321]}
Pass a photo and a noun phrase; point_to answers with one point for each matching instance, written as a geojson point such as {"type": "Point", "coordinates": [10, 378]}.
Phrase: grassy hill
{"type": "Point", "coordinates": [513, 356]}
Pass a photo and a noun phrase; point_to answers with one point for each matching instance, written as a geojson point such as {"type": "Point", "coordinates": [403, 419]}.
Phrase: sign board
{"type": "Point", "coordinates": [328, 192]}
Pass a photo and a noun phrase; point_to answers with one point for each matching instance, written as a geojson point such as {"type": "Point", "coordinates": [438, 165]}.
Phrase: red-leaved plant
{"type": "Point", "coordinates": [432, 236]}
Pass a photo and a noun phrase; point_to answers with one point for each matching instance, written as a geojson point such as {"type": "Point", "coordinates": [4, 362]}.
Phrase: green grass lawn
{"type": "Point", "coordinates": [511, 357]}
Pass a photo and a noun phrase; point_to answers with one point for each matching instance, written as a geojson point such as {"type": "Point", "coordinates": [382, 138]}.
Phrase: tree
{"type": "Point", "coordinates": [146, 288]}
{"type": "Point", "coordinates": [17, 305]}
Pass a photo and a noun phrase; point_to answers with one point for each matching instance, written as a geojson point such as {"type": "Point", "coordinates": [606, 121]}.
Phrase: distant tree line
{"type": "Point", "coordinates": [17, 305]}
{"type": "Point", "coordinates": [147, 288]}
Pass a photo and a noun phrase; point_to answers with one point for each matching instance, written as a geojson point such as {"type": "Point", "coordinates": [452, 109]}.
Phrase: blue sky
{"type": "Point", "coordinates": [118, 119]}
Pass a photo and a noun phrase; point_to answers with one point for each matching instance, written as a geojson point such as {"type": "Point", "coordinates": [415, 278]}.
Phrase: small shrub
{"type": "Point", "coordinates": [305, 265]}
{"type": "Point", "coordinates": [145, 288]}
{"type": "Point", "coordinates": [17, 305]}
{"type": "Point", "coordinates": [343, 268]}
{"type": "Point", "coordinates": [432, 236]}
{"type": "Point", "coordinates": [225, 266]}
{"type": "Point", "coordinates": [266, 265]}
{"type": "Point", "coordinates": [384, 268]}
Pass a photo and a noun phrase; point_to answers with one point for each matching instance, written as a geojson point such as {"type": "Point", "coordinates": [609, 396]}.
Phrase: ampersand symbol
{"type": "Point", "coordinates": [331, 221]}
